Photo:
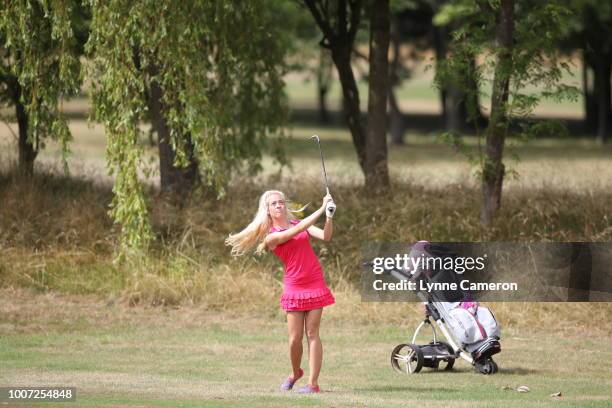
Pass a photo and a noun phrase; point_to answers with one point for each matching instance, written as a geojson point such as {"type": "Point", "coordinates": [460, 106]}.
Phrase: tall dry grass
{"type": "Point", "coordinates": [55, 235]}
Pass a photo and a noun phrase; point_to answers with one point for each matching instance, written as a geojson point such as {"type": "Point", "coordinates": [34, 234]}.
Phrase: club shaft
{"type": "Point", "coordinates": [323, 165]}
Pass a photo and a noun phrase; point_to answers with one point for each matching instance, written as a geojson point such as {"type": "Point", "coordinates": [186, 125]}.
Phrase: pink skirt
{"type": "Point", "coordinates": [304, 300]}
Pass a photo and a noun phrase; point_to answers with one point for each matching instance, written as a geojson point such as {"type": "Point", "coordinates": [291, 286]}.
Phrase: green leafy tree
{"type": "Point", "coordinates": [39, 68]}
{"type": "Point", "coordinates": [518, 41]}
{"type": "Point", "coordinates": [590, 31]}
{"type": "Point", "coordinates": [208, 74]}
{"type": "Point", "coordinates": [459, 108]}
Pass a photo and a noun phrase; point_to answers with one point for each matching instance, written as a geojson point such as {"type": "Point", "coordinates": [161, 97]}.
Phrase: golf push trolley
{"type": "Point", "coordinates": [410, 358]}
{"type": "Point", "coordinates": [470, 330]}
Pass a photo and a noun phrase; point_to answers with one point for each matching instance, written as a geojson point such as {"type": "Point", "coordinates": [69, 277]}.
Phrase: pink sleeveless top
{"type": "Point", "coordinates": [304, 285]}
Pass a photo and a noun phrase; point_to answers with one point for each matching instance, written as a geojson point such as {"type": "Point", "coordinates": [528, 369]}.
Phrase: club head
{"type": "Point", "coordinates": [315, 137]}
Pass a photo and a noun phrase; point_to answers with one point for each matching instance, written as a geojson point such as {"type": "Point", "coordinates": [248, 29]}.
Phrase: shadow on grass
{"type": "Point", "coordinates": [425, 147]}
{"type": "Point", "coordinates": [420, 122]}
{"type": "Point", "coordinates": [468, 370]}
{"type": "Point", "coordinates": [518, 371]}
{"type": "Point", "coordinates": [396, 388]}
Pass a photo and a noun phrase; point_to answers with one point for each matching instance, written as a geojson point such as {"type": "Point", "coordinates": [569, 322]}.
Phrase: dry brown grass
{"type": "Point", "coordinates": [56, 236]}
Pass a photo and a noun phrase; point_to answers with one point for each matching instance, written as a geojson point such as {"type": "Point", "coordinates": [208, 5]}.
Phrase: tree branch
{"type": "Point", "coordinates": [355, 18]}
{"type": "Point", "coordinates": [342, 28]}
{"type": "Point", "coordinates": [321, 22]}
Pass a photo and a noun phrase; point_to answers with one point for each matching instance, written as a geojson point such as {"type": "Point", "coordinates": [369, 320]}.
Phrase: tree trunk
{"type": "Point", "coordinates": [322, 99]}
{"type": "Point", "coordinates": [493, 169]}
{"type": "Point", "coordinates": [324, 74]}
{"type": "Point", "coordinates": [341, 55]}
{"type": "Point", "coordinates": [462, 104]}
{"type": "Point", "coordinates": [377, 169]}
{"type": "Point", "coordinates": [440, 46]}
{"type": "Point", "coordinates": [471, 102]}
{"type": "Point", "coordinates": [602, 95]}
{"type": "Point", "coordinates": [455, 115]}
{"type": "Point", "coordinates": [453, 99]}
{"type": "Point", "coordinates": [590, 104]}
{"type": "Point", "coordinates": [396, 128]}
{"type": "Point", "coordinates": [174, 180]}
{"type": "Point", "coordinates": [27, 150]}
{"type": "Point", "coordinates": [339, 33]}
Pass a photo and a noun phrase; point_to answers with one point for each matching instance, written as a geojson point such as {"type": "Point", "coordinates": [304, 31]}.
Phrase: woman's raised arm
{"type": "Point", "coordinates": [278, 238]}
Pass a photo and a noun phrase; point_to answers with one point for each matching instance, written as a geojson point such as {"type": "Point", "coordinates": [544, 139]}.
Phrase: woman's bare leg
{"type": "Point", "coordinates": [315, 348]}
{"type": "Point", "coordinates": [295, 324]}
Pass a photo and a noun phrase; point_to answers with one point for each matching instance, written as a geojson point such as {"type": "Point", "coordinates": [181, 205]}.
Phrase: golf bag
{"type": "Point", "coordinates": [471, 330]}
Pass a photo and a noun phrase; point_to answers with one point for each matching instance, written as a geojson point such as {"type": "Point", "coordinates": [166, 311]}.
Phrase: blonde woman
{"type": "Point", "coordinates": [305, 292]}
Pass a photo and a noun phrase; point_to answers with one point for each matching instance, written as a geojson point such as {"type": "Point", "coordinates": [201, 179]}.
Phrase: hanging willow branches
{"type": "Point", "coordinates": [39, 68]}
{"type": "Point", "coordinates": [216, 69]}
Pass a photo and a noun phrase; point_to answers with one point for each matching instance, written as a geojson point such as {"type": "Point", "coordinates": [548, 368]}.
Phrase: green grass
{"type": "Point", "coordinates": [56, 238]}
{"type": "Point", "coordinates": [122, 357]}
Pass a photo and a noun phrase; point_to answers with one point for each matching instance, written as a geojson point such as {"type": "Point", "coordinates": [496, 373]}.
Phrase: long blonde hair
{"type": "Point", "coordinates": [255, 233]}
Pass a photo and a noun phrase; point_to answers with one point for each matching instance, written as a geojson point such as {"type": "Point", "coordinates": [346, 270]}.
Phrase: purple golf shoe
{"type": "Point", "coordinates": [309, 389]}
{"type": "Point", "coordinates": [290, 381]}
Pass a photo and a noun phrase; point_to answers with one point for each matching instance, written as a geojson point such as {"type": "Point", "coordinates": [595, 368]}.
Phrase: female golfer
{"type": "Point", "coordinates": [305, 292]}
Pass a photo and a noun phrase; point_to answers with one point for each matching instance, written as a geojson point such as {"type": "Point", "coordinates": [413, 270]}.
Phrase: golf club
{"type": "Point", "coordinates": [322, 161]}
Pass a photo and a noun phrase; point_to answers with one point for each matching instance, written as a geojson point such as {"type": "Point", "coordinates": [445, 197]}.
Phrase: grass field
{"type": "Point", "coordinates": [152, 357]}
{"type": "Point", "coordinates": [71, 316]}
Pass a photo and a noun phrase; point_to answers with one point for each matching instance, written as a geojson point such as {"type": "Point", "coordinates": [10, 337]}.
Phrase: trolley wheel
{"type": "Point", "coordinates": [487, 366]}
{"type": "Point", "coordinates": [407, 358]}
{"type": "Point", "coordinates": [451, 361]}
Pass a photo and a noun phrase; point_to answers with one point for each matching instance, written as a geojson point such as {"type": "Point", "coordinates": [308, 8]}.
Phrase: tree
{"type": "Point", "coordinates": [39, 68]}
{"type": "Point", "coordinates": [594, 37]}
{"type": "Point", "coordinates": [413, 23]}
{"type": "Point", "coordinates": [324, 71]}
{"type": "Point", "coordinates": [589, 32]}
{"type": "Point", "coordinates": [208, 73]}
{"type": "Point", "coordinates": [339, 23]}
{"type": "Point", "coordinates": [459, 108]}
{"type": "Point", "coordinates": [178, 179]}
{"type": "Point", "coordinates": [377, 169]}
{"type": "Point", "coordinates": [518, 40]}
{"type": "Point", "coordinates": [303, 52]}
{"type": "Point", "coordinates": [494, 169]}
{"type": "Point", "coordinates": [410, 23]}
{"type": "Point", "coordinates": [396, 118]}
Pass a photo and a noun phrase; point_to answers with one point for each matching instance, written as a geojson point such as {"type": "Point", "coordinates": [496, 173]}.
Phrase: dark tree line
{"type": "Point", "coordinates": [418, 25]}
{"type": "Point", "coordinates": [592, 36]}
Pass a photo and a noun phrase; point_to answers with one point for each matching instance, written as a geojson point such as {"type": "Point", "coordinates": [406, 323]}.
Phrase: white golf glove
{"type": "Point", "coordinates": [330, 209]}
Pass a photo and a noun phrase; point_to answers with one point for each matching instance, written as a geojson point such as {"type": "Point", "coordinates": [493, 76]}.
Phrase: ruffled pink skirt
{"type": "Point", "coordinates": [304, 300]}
